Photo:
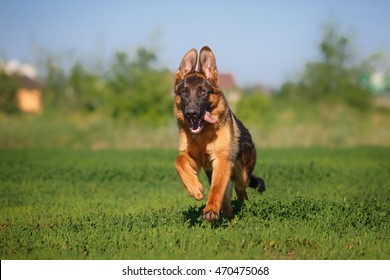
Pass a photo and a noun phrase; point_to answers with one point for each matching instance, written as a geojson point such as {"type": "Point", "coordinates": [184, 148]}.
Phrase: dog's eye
{"type": "Point", "coordinates": [184, 92]}
{"type": "Point", "coordinates": [203, 92]}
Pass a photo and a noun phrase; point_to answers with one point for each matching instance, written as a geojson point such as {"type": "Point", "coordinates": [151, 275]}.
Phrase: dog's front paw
{"type": "Point", "coordinates": [197, 193]}
{"type": "Point", "coordinates": [210, 216]}
{"type": "Point", "coordinates": [199, 196]}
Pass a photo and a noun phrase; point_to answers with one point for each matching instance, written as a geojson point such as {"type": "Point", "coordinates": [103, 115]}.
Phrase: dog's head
{"type": "Point", "coordinates": [197, 92]}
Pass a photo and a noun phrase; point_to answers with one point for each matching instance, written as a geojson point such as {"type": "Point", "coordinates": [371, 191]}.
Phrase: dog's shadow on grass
{"type": "Point", "coordinates": [193, 215]}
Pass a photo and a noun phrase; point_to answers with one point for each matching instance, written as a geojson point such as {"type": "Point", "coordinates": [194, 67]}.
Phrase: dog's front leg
{"type": "Point", "coordinates": [188, 169]}
{"type": "Point", "coordinates": [222, 169]}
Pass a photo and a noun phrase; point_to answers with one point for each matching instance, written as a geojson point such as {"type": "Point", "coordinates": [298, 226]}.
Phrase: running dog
{"type": "Point", "coordinates": [211, 137]}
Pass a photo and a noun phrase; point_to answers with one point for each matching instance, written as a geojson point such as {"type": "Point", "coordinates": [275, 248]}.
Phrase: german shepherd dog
{"type": "Point", "coordinates": [211, 137]}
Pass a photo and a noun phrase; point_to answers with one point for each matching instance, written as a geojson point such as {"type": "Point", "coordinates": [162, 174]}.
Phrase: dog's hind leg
{"type": "Point", "coordinates": [241, 182]}
{"type": "Point", "coordinates": [209, 175]}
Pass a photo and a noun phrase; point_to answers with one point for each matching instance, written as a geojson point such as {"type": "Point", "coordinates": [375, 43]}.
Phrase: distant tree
{"type": "Point", "coordinates": [253, 107]}
{"type": "Point", "coordinates": [334, 78]}
{"type": "Point", "coordinates": [140, 91]}
{"type": "Point", "coordinates": [145, 58]}
{"type": "Point", "coordinates": [55, 83]}
{"type": "Point", "coordinates": [131, 89]}
{"type": "Point", "coordinates": [8, 89]}
{"type": "Point", "coordinates": [84, 89]}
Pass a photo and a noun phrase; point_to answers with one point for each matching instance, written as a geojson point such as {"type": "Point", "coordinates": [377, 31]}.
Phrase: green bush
{"type": "Point", "coordinates": [332, 79]}
{"type": "Point", "coordinates": [8, 89]}
{"type": "Point", "coordinates": [132, 89]}
{"type": "Point", "coordinates": [253, 107]}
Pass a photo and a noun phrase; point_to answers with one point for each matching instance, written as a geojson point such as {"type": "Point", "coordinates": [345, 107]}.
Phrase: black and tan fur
{"type": "Point", "coordinates": [211, 137]}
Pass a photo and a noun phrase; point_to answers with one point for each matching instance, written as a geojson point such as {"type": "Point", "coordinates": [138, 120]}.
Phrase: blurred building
{"type": "Point", "coordinates": [377, 82]}
{"type": "Point", "coordinates": [229, 87]}
{"type": "Point", "coordinates": [29, 96]}
{"type": "Point", "coordinates": [28, 89]}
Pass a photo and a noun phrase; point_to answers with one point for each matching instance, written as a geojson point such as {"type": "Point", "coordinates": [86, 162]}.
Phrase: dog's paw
{"type": "Point", "coordinates": [197, 193]}
{"type": "Point", "coordinates": [210, 216]}
{"type": "Point", "coordinates": [199, 196]}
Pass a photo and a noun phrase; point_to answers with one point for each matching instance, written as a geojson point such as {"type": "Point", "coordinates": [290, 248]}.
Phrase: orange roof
{"type": "Point", "coordinates": [226, 81]}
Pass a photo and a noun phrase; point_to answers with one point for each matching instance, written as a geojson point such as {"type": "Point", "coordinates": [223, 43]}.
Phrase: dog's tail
{"type": "Point", "coordinates": [257, 183]}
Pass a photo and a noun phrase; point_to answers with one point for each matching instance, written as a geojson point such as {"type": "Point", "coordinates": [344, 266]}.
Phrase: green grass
{"type": "Point", "coordinates": [281, 125]}
{"type": "Point", "coordinates": [320, 203]}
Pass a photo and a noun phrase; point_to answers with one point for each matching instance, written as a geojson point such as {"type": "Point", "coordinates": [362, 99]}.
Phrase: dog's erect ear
{"type": "Point", "coordinates": [208, 65]}
{"type": "Point", "coordinates": [187, 64]}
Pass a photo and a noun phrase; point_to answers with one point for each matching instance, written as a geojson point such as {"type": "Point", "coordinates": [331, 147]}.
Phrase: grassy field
{"type": "Point", "coordinates": [281, 125]}
{"type": "Point", "coordinates": [320, 203]}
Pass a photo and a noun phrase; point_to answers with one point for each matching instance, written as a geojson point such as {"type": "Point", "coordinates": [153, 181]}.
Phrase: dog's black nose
{"type": "Point", "coordinates": [192, 114]}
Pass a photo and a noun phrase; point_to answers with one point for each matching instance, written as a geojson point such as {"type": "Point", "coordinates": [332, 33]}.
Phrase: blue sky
{"type": "Point", "coordinates": [264, 42]}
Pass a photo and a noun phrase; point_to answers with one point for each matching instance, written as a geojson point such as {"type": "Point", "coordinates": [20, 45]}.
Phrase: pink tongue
{"type": "Point", "coordinates": [209, 118]}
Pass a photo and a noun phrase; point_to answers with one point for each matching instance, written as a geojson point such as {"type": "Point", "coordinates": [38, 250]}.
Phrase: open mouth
{"type": "Point", "coordinates": [196, 125]}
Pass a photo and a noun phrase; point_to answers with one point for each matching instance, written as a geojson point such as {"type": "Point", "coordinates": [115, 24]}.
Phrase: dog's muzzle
{"type": "Point", "coordinates": [197, 121]}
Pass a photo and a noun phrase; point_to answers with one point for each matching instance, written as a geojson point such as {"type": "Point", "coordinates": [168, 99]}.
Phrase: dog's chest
{"type": "Point", "coordinates": [207, 147]}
